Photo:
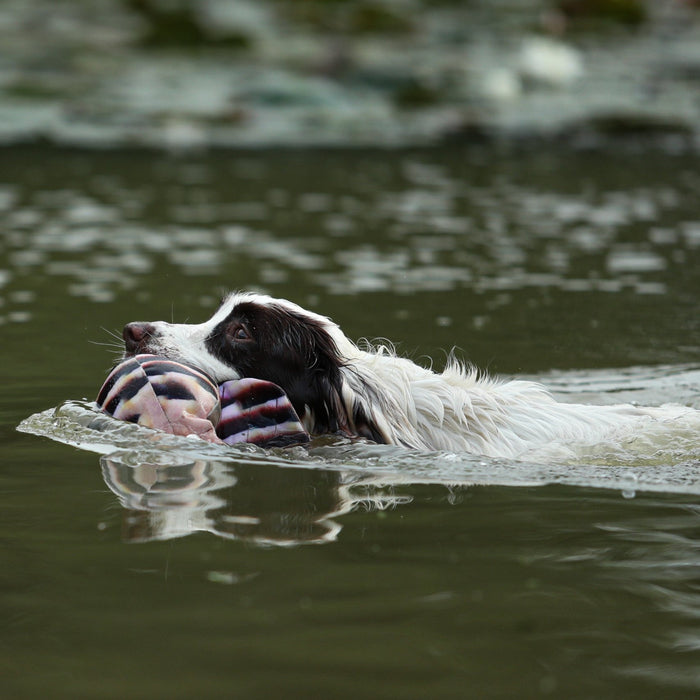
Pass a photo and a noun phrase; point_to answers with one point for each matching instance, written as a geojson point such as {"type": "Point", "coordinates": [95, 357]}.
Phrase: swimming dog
{"type": "Point", "coordinates": [336, 387]}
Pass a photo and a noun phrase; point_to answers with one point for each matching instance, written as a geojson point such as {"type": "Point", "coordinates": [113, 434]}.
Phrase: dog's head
{"type": "Point", "coordinates": [253, 335]}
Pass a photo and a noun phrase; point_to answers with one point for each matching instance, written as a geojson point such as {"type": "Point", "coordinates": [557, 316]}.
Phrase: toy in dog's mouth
{"type": "Point", "coordinates": [159, 393]}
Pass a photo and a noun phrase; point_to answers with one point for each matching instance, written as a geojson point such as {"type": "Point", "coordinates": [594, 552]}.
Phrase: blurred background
{"type": "Point", "coordinates": [191, 73]}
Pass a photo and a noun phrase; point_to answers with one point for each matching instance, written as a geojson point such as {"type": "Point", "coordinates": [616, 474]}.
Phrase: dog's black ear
{"type": "Point", "coordinates": [316, 389]}
{"type": "Point", "coordinates": [324, 377]}
{"type": "Point", "coordinates": [330, 414]}
{"type": "Point", "coordinates": [298, 353]}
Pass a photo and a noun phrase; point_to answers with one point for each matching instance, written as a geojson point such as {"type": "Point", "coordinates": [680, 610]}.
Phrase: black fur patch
{"type": "Point", "coordinates": [290, 350]}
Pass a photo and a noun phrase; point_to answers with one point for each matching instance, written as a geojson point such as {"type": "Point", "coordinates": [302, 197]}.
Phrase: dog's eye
{"type": "Point", "coordinates": [239, 332]}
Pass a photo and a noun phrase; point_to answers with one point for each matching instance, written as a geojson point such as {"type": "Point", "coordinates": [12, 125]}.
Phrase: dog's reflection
{"type": "Point", "coordinates": [261, 503]}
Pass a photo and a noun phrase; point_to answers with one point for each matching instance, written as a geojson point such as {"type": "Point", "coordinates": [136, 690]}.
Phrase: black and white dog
{"type": "Point", "coordinates": [336, 387]}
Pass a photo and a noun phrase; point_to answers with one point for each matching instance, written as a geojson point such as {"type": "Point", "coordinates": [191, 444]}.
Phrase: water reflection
{"type": "Point", "coordinates": [599, 575]}
{"type": "Point", "coordinates": [654, 558]}
{"type": "Point", "coordinates": [256, 503]}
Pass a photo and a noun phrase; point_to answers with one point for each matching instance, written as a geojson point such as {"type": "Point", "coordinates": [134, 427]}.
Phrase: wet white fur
{"type": "Point", "coordinates": [459, 409]}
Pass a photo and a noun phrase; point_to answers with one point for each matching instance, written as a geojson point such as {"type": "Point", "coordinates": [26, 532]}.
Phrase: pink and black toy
{"type": "Point", "coordinates": [162, 394]}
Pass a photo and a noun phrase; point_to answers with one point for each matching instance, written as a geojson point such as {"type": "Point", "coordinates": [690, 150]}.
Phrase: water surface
{"type": "Point", "coordinates": [172, 570]}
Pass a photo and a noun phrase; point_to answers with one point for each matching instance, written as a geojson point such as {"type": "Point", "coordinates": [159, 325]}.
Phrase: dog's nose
{"type": "Point", "coordinates": [136, 336]}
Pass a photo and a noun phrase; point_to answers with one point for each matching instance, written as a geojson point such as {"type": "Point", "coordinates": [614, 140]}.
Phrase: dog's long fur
{"type": "Point", "coordinates": [337, 387]}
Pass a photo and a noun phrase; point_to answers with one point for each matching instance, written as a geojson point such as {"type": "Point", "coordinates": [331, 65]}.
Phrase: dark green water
{"type": "Point", "coordinates": [256, 578]}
